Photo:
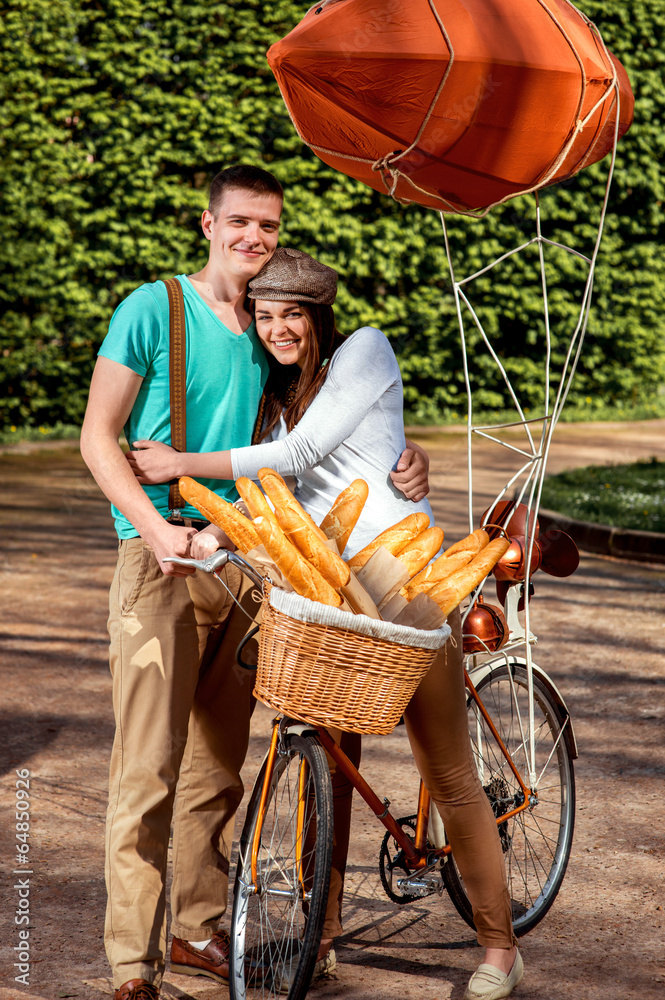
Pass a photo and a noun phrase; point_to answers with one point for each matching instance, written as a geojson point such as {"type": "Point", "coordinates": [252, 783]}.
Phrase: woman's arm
{"type": "Point", "coordinates": [154, 462]}
{"type": "Point", "coordinates": [360, 378]}
{"type": "Point", "coordinates": [364, 371]}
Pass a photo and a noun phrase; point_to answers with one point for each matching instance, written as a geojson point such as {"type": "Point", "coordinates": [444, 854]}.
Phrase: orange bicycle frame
{"type": "Point", "coordinates": [414, 850]}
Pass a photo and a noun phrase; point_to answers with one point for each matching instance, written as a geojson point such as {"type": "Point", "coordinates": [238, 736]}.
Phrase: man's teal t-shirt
{"type": "Point", "coordinates": [225, 375]}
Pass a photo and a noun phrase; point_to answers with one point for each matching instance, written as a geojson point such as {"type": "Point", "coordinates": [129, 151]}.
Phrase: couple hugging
{"type": "Point", "coordinates": [265, 363]}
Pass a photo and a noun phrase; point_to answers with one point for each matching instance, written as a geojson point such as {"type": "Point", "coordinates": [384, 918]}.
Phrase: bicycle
{"type": "Point", "coordinates": [524, 747]}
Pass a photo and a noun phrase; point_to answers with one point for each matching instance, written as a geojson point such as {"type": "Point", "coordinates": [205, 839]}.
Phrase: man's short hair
{"type": "Point", "coordinates": [245, 177]}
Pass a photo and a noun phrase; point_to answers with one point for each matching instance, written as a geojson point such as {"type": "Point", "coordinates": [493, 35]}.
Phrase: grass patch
{"type": "Point", "coordinates": [624, 496]}
{"type": "Point", "coordinates": [59, 432]}
{"type": "Point", "coordinates": [572, 413]}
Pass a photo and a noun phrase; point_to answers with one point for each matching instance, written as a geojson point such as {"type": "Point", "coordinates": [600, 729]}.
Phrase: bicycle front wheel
{"type": "Point", "coordinates": [278, 915]}
{"type": "Point", "coordinates": [536, 842]}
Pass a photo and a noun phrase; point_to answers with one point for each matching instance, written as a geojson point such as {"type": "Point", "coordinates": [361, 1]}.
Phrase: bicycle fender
{"type": "Point", "coordinates": [482, 670]}
{"type": "Point", "coordinates": [300, 729]}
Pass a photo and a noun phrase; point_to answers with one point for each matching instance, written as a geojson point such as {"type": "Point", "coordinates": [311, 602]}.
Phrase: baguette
{"type": "Point", "coordinates": [219, 512]}
{"type": "Point", "coordinates": [281, 496]}
{"type": "Point", "coordinates": [423, 548]}
{"type": "Point", "coordinates": [393, 539]}
{"type": "Point", "coordinates": [473, 543]}
{"type": "Point", "coordinates": [450, 592]}
{"type": "Point", "coordinates": [304, 578]}
{"type": "Point", "coordinates": [453, 558]}
{"type": "Point", "coordinates": [329, 564]}
{"type": "Point", "coordinates": [437, 571]}
{"type": "Point", "coordinates": [342, 517]}
{"type": "Point", "coordinates": [256, 503]}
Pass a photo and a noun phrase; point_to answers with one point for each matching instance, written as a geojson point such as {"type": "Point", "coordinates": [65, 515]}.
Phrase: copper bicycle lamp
{"type": "Point", "coordinates": [512, 564]}
{"type": "Point", "coordinates": [512, 517]}
{"type": "Point", "coordinates": [485, 628]}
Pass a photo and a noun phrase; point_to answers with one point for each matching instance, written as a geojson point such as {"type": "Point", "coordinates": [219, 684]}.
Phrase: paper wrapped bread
{"type": "Point", "coordinates": [282, 496]}
{"type": "Point", "coordinates": [473, 543]}
{"type": "Point", "coordinates": [423, 548]}
{"type": "Point", "coordinates": [256, 503]}
{"type": "Point", "coordinates": [220, 512]}
{"type": "Point", "coordinates": [343, 516]}
{"type": "Point", "coordinates": [304, 552]}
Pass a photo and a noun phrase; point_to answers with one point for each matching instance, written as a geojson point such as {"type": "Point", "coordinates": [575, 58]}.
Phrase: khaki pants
{"type": "Point", "coordinates": [436, 724]}
{"type": "Point", "coordinates": [182, 708]}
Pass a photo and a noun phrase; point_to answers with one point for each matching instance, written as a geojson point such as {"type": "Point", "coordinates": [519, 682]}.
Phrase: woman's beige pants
{"type": "Point", "coordinates": [437, 727]}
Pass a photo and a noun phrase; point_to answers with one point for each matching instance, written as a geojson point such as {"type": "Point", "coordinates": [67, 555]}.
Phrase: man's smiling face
{"type": "Point", "coordinates": [243, 235]}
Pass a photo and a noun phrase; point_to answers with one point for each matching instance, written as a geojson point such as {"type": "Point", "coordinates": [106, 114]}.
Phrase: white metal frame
{"type": "Point", "coordinates": [527, 481]}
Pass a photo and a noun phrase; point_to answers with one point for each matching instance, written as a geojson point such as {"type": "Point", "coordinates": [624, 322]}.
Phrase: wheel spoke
{"type": "Point", "coordinates": [278, 926]}
{"type": "Point", "coordinates": [536, 842]}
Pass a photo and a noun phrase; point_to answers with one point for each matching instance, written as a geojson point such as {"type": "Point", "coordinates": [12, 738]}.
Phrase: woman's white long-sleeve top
{"type": "Point", "coordinates": [354, 429]}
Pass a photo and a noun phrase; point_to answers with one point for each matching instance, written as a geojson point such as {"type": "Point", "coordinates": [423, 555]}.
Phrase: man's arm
{"type": "Point", "coordinates": [411, 476]}
{"type": "Point", "coordinates": [113, 392]}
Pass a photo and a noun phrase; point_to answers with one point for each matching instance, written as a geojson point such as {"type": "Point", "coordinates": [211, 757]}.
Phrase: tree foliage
{"type": "Point", "coordinates": [115, 115]}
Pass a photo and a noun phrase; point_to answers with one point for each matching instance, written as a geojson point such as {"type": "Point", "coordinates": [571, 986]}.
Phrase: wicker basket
{"type": "Point", "coordinates": [337, 676]}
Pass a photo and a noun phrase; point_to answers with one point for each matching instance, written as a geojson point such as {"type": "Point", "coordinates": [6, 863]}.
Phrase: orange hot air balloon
{"type": "Point", "coordinates": [453, 104]}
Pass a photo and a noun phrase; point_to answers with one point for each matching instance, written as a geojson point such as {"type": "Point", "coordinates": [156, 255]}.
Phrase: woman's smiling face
{"type": "Point", "coordinates": [284, 330]}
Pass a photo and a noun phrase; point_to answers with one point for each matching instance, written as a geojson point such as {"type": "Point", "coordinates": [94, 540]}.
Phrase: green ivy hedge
{"type": "Point", "coordinates": [114, 116]}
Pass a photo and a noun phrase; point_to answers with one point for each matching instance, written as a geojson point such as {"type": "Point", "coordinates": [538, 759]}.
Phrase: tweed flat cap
{"type": "Point", "coordinates": [294, 276]}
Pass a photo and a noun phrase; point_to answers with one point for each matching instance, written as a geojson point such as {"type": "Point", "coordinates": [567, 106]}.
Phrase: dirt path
{"type": "Point", "coordinates": [601, 637]}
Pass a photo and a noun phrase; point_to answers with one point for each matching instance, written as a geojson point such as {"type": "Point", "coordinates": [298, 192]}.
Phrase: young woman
{"type": "Point", "coordinates": [333, 413]}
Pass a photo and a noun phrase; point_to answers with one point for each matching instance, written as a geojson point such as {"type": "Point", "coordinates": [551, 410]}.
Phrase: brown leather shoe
{"type": "Point", "coordinates": [212, 961]}
{"type": "Point", "coordinates": [137, 989]}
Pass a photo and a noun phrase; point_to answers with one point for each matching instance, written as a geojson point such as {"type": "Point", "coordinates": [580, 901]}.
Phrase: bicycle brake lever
{"type": "Point", "coordinates": [215, 561]}
{"type": "Point", "coordinates": [210, 564]}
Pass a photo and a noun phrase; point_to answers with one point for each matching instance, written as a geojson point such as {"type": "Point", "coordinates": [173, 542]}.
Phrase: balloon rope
{"type": "Point", "coordinates": [581, 123]}
{"type": "Point", "coordinates": [386, 162]}
{"type": "Point", "coordinates": [533, 469]}
{"type": "Point", "coordinates": [465, 364]}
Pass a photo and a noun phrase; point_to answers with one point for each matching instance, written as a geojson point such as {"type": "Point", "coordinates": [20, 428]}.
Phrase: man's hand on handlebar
{"type": "Point", "coordinates": [205, 542]}
{"type": "Point", "coordinates": [172, 540]}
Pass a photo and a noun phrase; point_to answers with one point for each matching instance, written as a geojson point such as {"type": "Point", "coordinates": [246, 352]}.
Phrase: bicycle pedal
{"type": "Point", "coordinates": [420, 886]}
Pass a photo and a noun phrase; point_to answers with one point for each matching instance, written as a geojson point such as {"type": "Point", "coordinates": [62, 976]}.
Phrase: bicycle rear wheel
{"type": "Point", "coordinates": [537, 841]}
{"type": "Point", "coordinates": [277, 920]}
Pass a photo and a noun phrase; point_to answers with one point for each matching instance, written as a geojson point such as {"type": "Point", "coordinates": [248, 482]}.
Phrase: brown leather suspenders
{"type": "Point", "coordinates": [177, 388]}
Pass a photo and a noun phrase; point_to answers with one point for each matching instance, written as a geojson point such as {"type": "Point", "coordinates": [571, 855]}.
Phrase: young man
{"type": "Point", "coordinates": [182, 708]}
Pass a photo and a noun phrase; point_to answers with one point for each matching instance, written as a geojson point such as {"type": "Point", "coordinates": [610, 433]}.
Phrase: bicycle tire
{"type": "Point", "coordinates": [276, 930]}
{"type": "Point", "coordinates": [536, 842]}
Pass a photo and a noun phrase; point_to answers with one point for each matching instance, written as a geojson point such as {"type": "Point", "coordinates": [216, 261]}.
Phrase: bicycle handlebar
{"type": "Point", "coordinates": [215, 561]}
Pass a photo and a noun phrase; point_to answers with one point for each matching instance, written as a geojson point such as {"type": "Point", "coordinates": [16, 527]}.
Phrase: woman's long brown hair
{"type": "Point", "coordinates": [291, 389]}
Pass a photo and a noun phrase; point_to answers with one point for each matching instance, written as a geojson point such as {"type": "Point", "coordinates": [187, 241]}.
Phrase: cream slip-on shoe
{"type": "Point", "coordinates": [324, 969]}
{"type": "Point", "coordinates": [490, 983]}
